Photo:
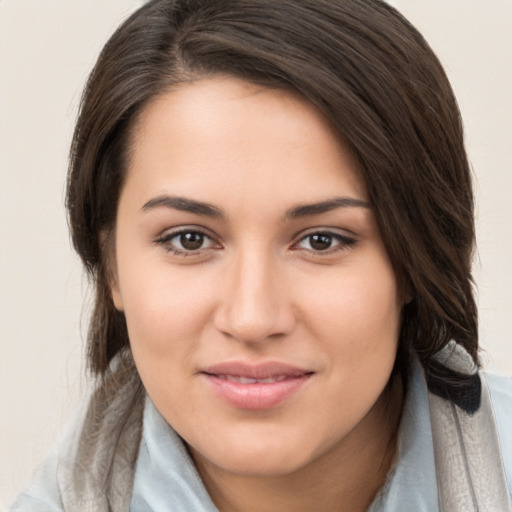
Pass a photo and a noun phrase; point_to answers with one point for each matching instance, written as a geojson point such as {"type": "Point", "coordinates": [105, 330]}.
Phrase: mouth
{"type": "Point", "coordinates": [256, 387]}
{"type": "Point", "coordinates": [250, 380]}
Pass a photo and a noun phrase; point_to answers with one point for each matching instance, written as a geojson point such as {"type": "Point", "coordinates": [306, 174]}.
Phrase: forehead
{"type": "Point", "coordinates": [222, 133]}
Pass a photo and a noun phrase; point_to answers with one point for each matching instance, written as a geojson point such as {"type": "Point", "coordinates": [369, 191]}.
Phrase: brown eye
{"type": "Point", "coordinates": [186, 242]}
{"type": "Point", "coordinates": [325, 241]}
{"type": "Point", "coordinates": [320, 242]}
{"type": "Point", "coordinates": [191, 241]}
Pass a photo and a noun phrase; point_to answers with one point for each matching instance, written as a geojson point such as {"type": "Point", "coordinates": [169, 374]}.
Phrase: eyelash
{"type": "Point", "coordinates": [343, 242]}
{"type": "Point", "coordinates": [165, 241]}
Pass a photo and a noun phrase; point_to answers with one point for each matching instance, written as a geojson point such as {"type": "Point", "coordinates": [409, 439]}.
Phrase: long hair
{"type": "Point", "coordinates": [369, 72]}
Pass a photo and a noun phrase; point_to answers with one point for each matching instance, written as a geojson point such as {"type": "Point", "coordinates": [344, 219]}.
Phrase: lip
{"type": "Point", "coordinates": [255, 386]}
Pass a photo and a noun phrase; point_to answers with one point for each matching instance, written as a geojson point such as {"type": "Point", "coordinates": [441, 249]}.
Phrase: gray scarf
{"type": "Point", "coordinates": [97, 475]}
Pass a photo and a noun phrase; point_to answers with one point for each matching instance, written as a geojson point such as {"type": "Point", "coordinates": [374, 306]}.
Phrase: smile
{"type": "Point", "coordinates": [251, 380]}
{"type": "Point", "coordinates": [259, 387]}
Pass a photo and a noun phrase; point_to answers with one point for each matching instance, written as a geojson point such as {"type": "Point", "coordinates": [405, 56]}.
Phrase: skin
{"type": "Point", "coordinates": [259, 289]}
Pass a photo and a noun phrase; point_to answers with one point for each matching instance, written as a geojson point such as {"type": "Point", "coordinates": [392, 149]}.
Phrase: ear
{"type": "Point", "coordinates": [116, 294]}
{"type": "Point", "coordinates": [407, 292]}
{"type": "Point", "coordinates": [108, 250]}
{"type": "Point", "coordinates": [409, 297]}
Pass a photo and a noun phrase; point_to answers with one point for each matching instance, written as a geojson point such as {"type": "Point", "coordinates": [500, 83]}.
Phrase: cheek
{"type": "Point", "coordinates": [357, 314]}
{"type": "Point", "coordinates": [357, 300]}
{"type": "Point", "coordinates": [359, 321]}
{"type": "Point", "coordinates": [166, 315]}
{"type": "Point", "coordinates": [165, 310]}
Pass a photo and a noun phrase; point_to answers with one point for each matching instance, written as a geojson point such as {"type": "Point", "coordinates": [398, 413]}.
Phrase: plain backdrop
{"type": "Point", "coordinates": [47, 49]}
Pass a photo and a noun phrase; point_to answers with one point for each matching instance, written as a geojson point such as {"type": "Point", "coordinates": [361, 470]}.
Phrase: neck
{"type": "Point", "coordinates": [346, 479]}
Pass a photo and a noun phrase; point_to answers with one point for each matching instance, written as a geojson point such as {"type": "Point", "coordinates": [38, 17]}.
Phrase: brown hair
{"type": "Point", "coordinates": [367, 70]}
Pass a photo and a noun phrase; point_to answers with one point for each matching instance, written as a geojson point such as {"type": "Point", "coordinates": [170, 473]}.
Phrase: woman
{"type": "Point", "coordinates": [274, 203]}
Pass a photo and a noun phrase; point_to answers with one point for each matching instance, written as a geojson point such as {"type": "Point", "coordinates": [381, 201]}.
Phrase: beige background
{"type": "Point", "coordinates": [46, 51]}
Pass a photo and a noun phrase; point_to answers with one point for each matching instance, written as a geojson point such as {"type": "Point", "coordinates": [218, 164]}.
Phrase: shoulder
{"type": "Point", "coordinates": [42, 493]}
{"type": "Point", "coordinates": [99, 446]}
{"type": "Point", "coordinates": [501, 396]}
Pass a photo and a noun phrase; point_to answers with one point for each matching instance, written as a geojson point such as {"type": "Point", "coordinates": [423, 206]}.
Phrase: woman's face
{"type": "Point", "coordinates": [262, 309]}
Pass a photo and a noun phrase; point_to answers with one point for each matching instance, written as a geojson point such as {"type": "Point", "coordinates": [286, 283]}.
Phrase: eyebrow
{"type": "Point", "coordinates": [185, 205]}
{"type": "Point", "coordinates": [201, 208]}
{"type": "Point", "coordinates": [305, 210]}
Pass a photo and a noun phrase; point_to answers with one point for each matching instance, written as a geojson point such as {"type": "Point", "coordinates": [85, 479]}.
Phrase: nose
{"type": "Point", "coordinates": [254, 303]}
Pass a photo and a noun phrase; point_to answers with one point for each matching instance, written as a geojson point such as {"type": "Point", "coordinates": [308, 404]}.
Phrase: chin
{"type": "Point", "coordinates": [261, 466]}
{"type": "Point", "coordinates": [267, 459]}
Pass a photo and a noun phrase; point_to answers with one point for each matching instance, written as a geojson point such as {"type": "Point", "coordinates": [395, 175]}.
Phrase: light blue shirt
{"type": "Point", "coordinates": [166, 478]}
